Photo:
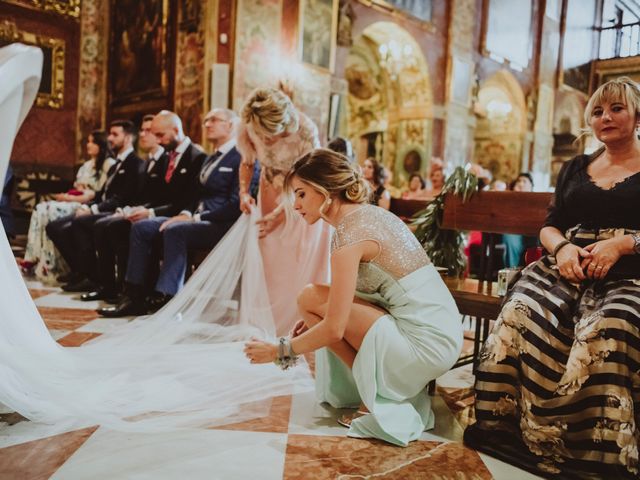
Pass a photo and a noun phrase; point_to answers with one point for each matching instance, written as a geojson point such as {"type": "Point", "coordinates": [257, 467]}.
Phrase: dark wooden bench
{"type": "Point", "coordinates": [405, 209]}
{"type": "Point", "coordinates": [520, 213]}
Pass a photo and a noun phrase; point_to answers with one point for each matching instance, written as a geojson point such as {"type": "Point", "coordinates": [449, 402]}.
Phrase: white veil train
{"type": "Point", "coordinates": [182, 367]}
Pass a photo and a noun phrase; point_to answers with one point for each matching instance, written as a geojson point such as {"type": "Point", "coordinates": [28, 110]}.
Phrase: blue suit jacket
{"type": "Point", "coordinates": [219, 195]}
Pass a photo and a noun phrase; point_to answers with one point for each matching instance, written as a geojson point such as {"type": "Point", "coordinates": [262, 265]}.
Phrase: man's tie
{"type": "Point", "coordinates": [171, 166]}
{"type": "Point", "coordinates": [112, 174]}
{"type": "Point", "coordinates": [208, 165]}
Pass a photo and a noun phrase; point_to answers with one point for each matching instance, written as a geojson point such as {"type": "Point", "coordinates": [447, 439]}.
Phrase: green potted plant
{"type": "Point", "coordinates": [445, 247]}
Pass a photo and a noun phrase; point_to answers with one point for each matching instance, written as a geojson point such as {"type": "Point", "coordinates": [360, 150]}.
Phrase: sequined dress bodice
{"type": "Point", "coordinates": [400, 252]}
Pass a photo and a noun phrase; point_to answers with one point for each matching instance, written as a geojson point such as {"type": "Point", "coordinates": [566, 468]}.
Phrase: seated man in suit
{"type": "Point", "coordinates": [217, 210]}
{"type": "Point", "coordinates": [73, 235]}
{"type": "Point", "coordinates": [6, 216]}
{"type": "Point", "coordinates": [184, 162]}
{"type": "Point", "coordinates": [111, 234]}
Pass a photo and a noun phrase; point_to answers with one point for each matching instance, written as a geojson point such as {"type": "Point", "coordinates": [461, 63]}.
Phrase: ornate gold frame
{"type": "Point", "coordinates": [333, 38]}
{"type": "Point", "coordinates": [54, 53]}
{"type": "Point", "coordinates": [604, 70]}
{"type": "Point", "coordinates": [69, 8]}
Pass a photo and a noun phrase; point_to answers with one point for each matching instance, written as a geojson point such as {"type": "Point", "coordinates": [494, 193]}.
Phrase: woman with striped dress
{"type": "Point", "coordinates": [558, 383]}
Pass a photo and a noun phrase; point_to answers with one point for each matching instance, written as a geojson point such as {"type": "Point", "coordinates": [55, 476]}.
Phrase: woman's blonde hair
{"type": "Point", "coordinates": [270, 112]}
{"type": "Point", "coordinates": [619, 90]}
{"type": "Point", "coordinates": [331, 174]}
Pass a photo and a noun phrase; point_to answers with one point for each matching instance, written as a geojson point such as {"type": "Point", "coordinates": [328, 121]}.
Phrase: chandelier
{"type": "Point", "coordinates": [395, 57]}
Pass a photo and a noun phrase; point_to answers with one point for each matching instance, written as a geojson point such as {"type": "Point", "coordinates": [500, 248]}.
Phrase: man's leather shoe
{"type": "Point", "coordinates": [84, 285]}
{"type": "Point", "coordinates": [99, 294]}
{"type": "Point", "coordinates": [114, 299]}
{"type": "Point", "coordinates": [127, 307]}
{"type": "Point", "coordinates": [157, 300]}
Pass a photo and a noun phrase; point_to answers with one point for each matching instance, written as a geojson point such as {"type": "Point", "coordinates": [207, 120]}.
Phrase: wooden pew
{"type": "Point", "coordinates": [405, 209]}
{"type": "Point", "coordinates": [520, 213]}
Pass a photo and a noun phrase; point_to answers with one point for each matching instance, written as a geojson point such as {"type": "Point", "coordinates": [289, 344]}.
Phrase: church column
{"type": "Point", "coordinates": [460, 123]}
{"type": "Point", "coordinates": [543, 100]}
{"type": "Point", "coordinates": [92, 84]}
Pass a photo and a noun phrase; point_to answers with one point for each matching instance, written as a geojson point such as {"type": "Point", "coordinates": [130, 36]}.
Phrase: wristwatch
{"type": "Point", "coordinates": [636, 242]}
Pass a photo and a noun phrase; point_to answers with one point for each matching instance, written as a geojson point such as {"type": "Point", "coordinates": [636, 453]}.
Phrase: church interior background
{"type": "Point", "coordinates": [500, 83]}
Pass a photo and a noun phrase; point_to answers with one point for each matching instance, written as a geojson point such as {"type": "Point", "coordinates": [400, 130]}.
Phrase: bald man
{"type": "Point", "coordinates": [181, 174]}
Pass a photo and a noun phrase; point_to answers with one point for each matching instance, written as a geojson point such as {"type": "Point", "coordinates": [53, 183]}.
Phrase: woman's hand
{"type": "Point", "coordinates": [568, 262]}
{"type": "Point", "coordinates": [258, 351]}
{"type": "Point", "coordinates": [299, 328]}
{"type": "Point", "coordinates": [603, 255]}
{"type": "Point", "coordinates": [270, 222]}
{"type": "Point", "coordinates": [247, 202]}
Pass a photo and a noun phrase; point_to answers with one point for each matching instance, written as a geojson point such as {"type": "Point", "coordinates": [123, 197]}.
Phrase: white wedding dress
{"type": "Point", "coordinates": [182, 367]}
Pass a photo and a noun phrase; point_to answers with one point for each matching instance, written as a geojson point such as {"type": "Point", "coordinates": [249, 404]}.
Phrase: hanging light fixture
{"type": "Point", "coordinates": [395, 57]}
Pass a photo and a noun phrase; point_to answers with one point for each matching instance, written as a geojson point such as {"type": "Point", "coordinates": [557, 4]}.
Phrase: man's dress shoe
{"type": "Point", "coordinates": [158, 300]}
{"type": "Point", "coordinates": [99, 294]}
{"type": "Point", "coordinates": [127, 307]}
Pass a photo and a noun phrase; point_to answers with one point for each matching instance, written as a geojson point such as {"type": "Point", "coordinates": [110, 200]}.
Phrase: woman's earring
{"type": "Point", "coordinates": [329, 200]}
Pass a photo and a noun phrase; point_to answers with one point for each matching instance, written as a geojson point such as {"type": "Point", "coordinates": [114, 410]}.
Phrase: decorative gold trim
{"type": "Point", "coordinates": [68, 8]}
{"type": "Point", "coordinates": [54, 52]}
{"type": "Point", "coordinates": [604, 70]}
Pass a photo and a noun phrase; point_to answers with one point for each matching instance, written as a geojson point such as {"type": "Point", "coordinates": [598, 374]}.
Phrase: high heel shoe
{"type": "Point", "coordinates": [346, 419]}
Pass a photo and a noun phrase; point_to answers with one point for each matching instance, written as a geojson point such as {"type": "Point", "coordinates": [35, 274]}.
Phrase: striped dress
{"type": "Point", "coordinates": [558, 382]}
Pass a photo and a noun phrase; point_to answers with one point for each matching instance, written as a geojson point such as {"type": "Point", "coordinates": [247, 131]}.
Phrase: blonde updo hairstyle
{"type": "Point", "coordinates": [619, 90]}
{"type": "Point", "coordinates": [331, 174]}
{"type": "Point", "coordinates": [270, 112]}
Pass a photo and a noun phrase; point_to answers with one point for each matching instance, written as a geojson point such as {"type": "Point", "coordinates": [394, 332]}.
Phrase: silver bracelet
{"type": "Point", "coordinates": [286, 357]}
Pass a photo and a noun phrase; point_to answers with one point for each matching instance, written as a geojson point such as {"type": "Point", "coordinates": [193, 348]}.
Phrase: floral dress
{"type": "Point", "coordinates": [46, 261]}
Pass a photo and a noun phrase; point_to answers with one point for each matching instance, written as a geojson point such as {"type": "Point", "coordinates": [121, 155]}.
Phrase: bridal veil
{"type": "Point", "coordinates": [182, 367]}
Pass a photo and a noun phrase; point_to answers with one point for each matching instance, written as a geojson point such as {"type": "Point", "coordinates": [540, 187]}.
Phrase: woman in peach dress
{"type": "Point", "coordinates": [294, 253]}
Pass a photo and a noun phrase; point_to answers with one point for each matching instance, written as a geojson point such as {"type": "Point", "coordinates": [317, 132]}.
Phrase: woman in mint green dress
{"type": "Point", "coordinates": [388, 322]}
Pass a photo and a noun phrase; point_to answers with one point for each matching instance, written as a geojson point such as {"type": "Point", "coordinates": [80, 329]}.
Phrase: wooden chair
{"type": "Point", "coordinates": [521, 213]}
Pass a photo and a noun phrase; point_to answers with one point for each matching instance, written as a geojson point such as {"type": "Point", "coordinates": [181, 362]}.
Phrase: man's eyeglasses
{"type": "Point", "coordinates": [213, 119]}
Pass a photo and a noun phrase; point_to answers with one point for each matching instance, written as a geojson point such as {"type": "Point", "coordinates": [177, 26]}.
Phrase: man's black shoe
{"type": "Point", "coordinates": [84, 285]}
{"type": "Point", "coordinates": [157, 300]}
{"type": "Point", "coordinates": [127, 307]}
{"type": "Point", "coordinates": [114, 299]}
{"type": "Point", "coordinates": [99, 294]}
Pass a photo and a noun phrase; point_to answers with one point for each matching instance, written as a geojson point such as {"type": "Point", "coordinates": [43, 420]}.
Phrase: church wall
{"type": "Point", "coordinates": [487, 66]}
{"type": "Point", "coordinates": [266, 52]}
{"type": "Point", "coordinates": [46, 141]}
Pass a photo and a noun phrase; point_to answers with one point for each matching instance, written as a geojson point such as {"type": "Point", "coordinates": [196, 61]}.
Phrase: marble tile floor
{"type": "Point", "coordinates": [299, 439]}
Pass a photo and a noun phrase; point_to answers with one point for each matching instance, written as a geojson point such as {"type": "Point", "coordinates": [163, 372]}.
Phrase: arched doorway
{"type": "Point", "coordinates": [499, 136]}
{"type": "Point", "coordinates": [390, 101]}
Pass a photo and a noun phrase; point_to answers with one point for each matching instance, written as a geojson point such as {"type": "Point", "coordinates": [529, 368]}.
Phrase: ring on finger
{"type": "Point", "coordinates": [599, 266]}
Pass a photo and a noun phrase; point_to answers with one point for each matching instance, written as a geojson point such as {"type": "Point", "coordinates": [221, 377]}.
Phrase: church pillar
{"type": "Point", "coordinates": [460, 123]}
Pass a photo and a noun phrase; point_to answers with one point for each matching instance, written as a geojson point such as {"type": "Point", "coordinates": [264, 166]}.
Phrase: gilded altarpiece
{"type": "Point", "coordinates": [498, 148]}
